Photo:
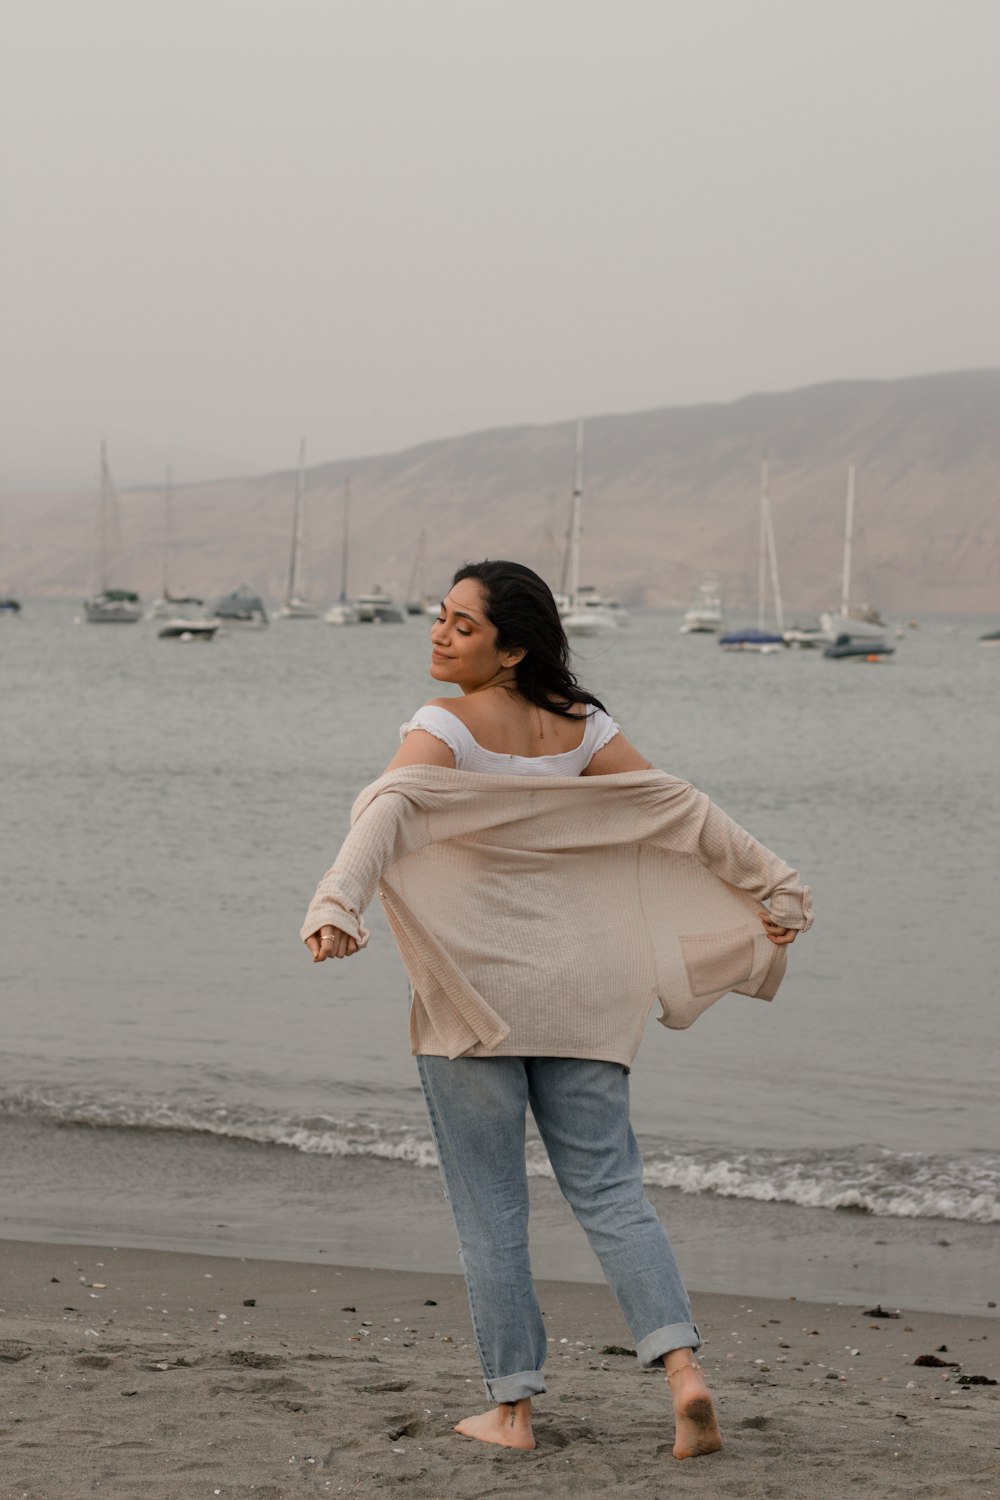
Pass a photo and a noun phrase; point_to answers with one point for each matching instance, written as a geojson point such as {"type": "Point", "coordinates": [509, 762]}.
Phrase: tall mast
{"type": "Point", "coordinates": [103, 521]}
{"type": "Point", "coordinates": [845, 590]}
{"type": "Point", "coordinates": [772, 553]}
{"type": "Point", "coordinates": [576, 516]}
{"type": "Point", "coordinates": [762, 545]}
{"type": "Point", "coordinates": [167, 501]}
{"type": "Point", "coordinates": [415, 587]}
{"type": "Point", "coordinates": [344, 540]}
{"type": "Point", "coordinates": [293, 564]}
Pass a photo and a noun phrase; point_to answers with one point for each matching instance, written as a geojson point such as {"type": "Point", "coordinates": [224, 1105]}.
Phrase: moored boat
{"type": "Point", "coordinates": [242, 609]}
{"type": "Point", "coordinates": [109, 606]}
{"type": "Point", "coordinates": [344, 611]}
{"type": "Point", "coordinates": [583, 610]}
{"type": "Point", "coordinates": [378, 608]}
{"type": "Point", "coordinates": [865, 650]}
{"type": "Point", "coordinates": [705, 614]}
{"type": "Point", "coordinates": [295, 606]}
{"type": "Point", "coordinates": [859, 621]}
{"type": "Point", "coordinates": [764, 642]}
{"type": "Point", "coordinates": [184, 629]}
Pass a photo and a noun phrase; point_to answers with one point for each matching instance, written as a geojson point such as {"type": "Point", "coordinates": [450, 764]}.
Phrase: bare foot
{"type": "Point", "coordinates": [509, 1425]}
{"type": "Point", "coordinates": [696, 1428]}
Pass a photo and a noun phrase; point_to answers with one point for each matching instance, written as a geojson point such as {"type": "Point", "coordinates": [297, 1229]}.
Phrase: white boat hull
{"type": "Point", "coordinates": [590, 622]}
{"type": "Point", "coordinates": [188, 630]}
{"type": "Point", "coordinates": [297, 609]}
{"type": "Point", "coordinates": [341, 614]}
{"type": "Point", "coordinates": [834, 625]}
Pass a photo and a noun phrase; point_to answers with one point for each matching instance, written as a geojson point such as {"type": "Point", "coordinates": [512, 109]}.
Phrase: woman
{"type": "Point", "coordinates": [521, 909]}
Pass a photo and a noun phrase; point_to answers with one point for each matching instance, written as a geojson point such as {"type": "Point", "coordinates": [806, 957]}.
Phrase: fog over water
{"type": "Point", "coordinates": [227, 224]}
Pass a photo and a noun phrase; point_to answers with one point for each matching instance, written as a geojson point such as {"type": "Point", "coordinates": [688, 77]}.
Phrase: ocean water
{"type": "Point", "coordinates": [174, 1070]}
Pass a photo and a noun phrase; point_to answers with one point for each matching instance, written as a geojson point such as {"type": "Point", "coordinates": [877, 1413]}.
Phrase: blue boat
{"type": "Point", "coordinates": [752, 639]}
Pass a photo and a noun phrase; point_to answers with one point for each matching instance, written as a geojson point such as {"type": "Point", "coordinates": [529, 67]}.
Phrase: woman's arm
{"type": "Point", "coordinates": [421, 748]}
{"type": "Point", "coordinates": [617, 755]}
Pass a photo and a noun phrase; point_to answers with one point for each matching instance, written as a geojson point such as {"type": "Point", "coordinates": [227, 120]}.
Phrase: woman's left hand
{"type": "Point", "coordinates": [778, 935]}
{"type": "Point", "coordinates": [330, 942]}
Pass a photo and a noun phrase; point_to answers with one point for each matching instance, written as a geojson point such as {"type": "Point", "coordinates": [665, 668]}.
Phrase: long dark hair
{"type": "Point", "coordinates": [521, 606]}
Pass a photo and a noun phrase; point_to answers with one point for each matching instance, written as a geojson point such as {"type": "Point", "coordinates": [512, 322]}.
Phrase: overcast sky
{"type": "Point", "coordinates": [378, 222]}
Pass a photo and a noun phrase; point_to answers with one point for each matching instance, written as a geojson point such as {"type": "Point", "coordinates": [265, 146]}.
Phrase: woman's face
{"type": "Point", "coordinates": [464, 643]}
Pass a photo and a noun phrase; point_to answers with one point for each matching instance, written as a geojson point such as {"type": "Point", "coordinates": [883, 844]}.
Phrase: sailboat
{"type": "Point", "coordinates": [109, 606]}
{"type": "Point", "coordinates": [295, 607]}
{"type": "Point", "coordinates": [344, 612]}
{"type": "Point", "coordinates": [859, 622]}
{"type": "Point", "coordinates": [759, 639]}
{"type": "Point", "coordinates": [584, 611]}
{"type": "Point", "coordinates": [418, 601]}
{"type": "Point", "coordinates": [168, 604]}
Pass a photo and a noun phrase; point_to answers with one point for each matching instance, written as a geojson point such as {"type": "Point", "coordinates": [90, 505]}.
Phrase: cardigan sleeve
{"type": "Point", "coordinates": [689, 822]}
{"type": "Point", "coordinates": [387, 829]}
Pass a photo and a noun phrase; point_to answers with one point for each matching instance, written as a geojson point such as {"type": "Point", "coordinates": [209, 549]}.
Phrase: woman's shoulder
{"type": "Point", "coordinates": [454, 706]}
{"type": "Point", "coordinates": [438, 717]}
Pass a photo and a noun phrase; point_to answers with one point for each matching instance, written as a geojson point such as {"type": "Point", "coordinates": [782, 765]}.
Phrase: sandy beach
{"type": "Point", "coordinates": [130, 1373]}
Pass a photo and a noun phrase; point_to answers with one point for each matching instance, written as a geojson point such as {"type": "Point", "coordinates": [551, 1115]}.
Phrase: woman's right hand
{"type": "Point", "coordinates": [330, 942]}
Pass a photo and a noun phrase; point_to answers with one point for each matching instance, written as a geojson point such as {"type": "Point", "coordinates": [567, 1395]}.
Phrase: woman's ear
{"type": "Point", "coordinates": [511, 658]}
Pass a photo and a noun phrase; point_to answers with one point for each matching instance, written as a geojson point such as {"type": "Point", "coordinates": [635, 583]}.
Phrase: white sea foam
{"type": "Point", "coordinates": [911, 1185]}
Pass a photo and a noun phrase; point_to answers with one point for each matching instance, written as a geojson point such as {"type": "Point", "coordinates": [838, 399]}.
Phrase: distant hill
{"type": "Point", "coordinates": [670, 497]}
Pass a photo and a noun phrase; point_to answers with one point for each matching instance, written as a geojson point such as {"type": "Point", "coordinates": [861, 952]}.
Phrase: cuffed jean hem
{"type": "Point", "coordinates": [507, 1388]}
{"type": "Point", "coordinates": [655, 1345]}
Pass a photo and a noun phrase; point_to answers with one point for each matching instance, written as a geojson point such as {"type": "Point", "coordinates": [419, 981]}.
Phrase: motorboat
{"type": "Point", "coordinates": [242, 610]}
{"type": "Point", "coordinates": [705, 614]}
{"type": "Point", "coordinates": [378, 608]}
{"type": "Point", "coordinates": [185, 628]}
{"type": "Point", "coordinates": [866, 650]}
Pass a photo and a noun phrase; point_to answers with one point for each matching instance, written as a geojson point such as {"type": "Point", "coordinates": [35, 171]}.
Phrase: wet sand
{"type": "Point", "coordinates": [173, 1376]}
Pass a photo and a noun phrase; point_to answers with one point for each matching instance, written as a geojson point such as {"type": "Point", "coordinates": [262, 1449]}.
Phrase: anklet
{"type": "Point", "coordinates": [691, 1364]}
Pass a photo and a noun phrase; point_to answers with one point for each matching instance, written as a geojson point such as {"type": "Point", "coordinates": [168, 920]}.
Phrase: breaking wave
{"type": "Point", "coordinates": [910, 1185]}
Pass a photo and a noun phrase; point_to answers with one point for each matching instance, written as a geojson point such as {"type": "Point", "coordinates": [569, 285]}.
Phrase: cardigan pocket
{"type": "Point", "coordinates": [716, 961]}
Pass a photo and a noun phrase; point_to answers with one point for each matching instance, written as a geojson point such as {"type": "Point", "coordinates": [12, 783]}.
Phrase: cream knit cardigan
{"type": "Point", "coordinates": [542, 916]}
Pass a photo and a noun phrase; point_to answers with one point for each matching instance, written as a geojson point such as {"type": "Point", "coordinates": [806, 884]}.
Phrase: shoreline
{"type": "Point", "coordinates": [204, 1374]}
{"type": "Point", "coordinates": [213, 1195]}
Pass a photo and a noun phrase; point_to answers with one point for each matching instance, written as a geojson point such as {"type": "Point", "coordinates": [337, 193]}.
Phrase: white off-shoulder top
{"type": "Point", "coordinates": [470, 755]}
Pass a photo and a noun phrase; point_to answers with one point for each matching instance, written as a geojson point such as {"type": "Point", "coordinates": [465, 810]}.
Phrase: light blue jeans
{"type": "Point", "coordinates": [477, 1108]}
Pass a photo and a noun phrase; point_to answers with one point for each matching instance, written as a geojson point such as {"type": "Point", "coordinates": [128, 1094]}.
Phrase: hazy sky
{"type": "Point", "coordinates": [377, 222]}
